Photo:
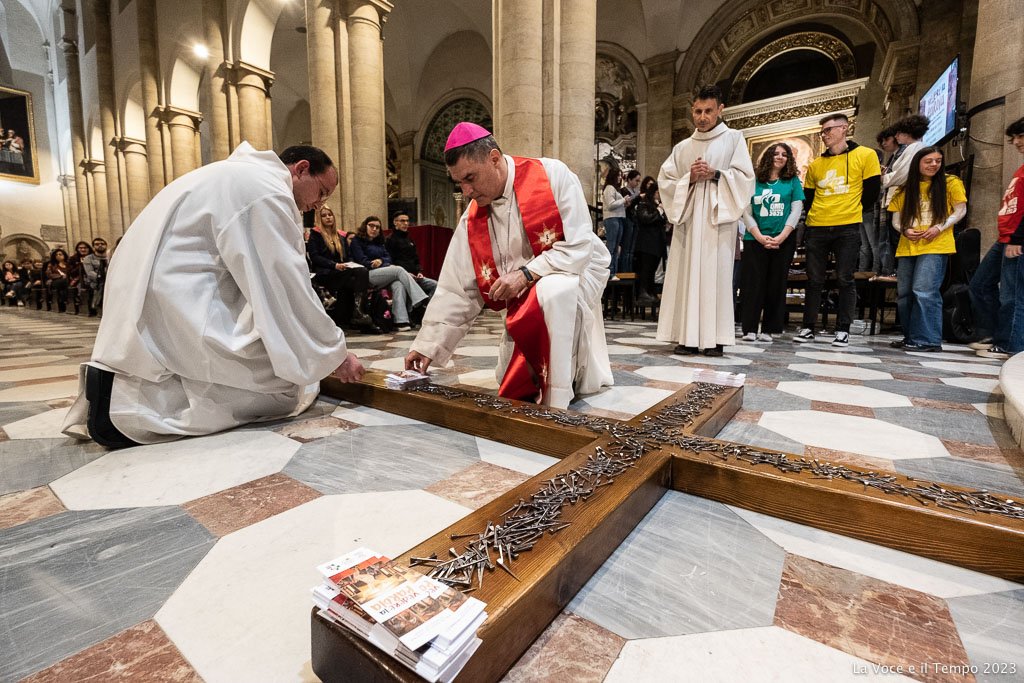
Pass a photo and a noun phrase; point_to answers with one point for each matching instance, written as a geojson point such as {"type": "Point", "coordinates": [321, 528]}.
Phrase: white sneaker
{"type": "Point", "coordinates": [994, 352]}
{"type": "Point", "coordinates": [765, 337]}
{"type": "Point", "coordinates": [613, 278]}
{"type": "Point", "coordinates": [804, 335]}
{"type": "Point", "coordinates": [749, 336]}
{"type": "Point", "coordinates": [842, 339]}
{"type": "Point", "coordinates": [982, 344]}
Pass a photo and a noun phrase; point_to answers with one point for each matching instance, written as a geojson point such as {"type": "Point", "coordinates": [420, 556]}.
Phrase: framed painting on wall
{"type": "Point", "coordinates": [18, 159]}
{"type": "Point", "coordinates": [805, 143]}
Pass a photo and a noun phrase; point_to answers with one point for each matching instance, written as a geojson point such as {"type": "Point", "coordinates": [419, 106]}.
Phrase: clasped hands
{"type": "Point", "coordinates": [509, 286]}
{"type": "Point", "coordinates": [701, 170]}
{"type": "Point", "coordinates": [926, 235]}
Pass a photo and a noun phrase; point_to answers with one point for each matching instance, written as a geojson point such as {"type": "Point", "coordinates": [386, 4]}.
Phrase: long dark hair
{"type": "Point", "coordinates": [765, 163]}
{"type": "Point", "coordinates": [53, 256]}
{"type": "Point", "coordinates": [364, 233]}
{"type": "Point", "coordinates": [613, 177]}
{"type": "Point", "coordinates": [648, 186]}
{"type": "Point", "coordinates": [911, 209]}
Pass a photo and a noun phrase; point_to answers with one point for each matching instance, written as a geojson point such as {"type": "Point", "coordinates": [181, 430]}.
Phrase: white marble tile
{"type": "Point", "coordinates": [176, 472]}
{"type": "Point", "coordinates": [372, 338]}
{"type": "Point", "coordinates": [18, 361]}
{"type": "Point", "coordinates": [766, 654]}
{"type": "Point", "coordinates": [642, 341]}
{"type": "Point", "coordinates": [369, 417]}
{"type": "Point", "coordinates": [632, 400]}
{"type": "Point", "coordinates": [854, 347]}
{"type": "Point", "coordinates": [363, 353]}
{"type": "Point", "coordinates": [400, 344]}
{"type": "Point", "coordinates": [620, 350]}
{"type": "Point", "coordinates": [228, 637]}
{"type": "Point", "coordinates": [39, 372]}
{"type": "Point", "coordinates": [40, 392]}
{"type": "Point", "coordinates": [478, 351]}
{"type": "Point", "coordinates": [668, 373]}
{"type": "Point", "coordinates": [648, 334]}
{"type": "Point", "coordinates": [745, 348]}
{"type": "Point", "coordinates": [942, 355]}
{"type": "Point", "coordinates": [970, 368]}
{"type": "Point", "coordinates": [513, 458]}
{"type": "Point", "coordinates": [395, 364]}
{"type": "Point", "coordinates": [42, 426]}
{"type": "Point", "coordinates": [483, 379]}
{"type": "Point", "coordinates": [839, 357]}
{"type": "Point", "coordinates": [894, 566]}
{"type": "Point", "coordinates": [853, 434]}
{"type": "Point", "coordinates": [712, 360]}
{"type": "Point", "coordinates": [481, 336]}
{"type": "Point", "coordinates": [841, 371]}
{"type": "Point", "coordinates": [976, 383]}
{"type": "Point", "coordinates": [13, 350]}
{"type": "Point", "coordinates": [845, 393]}
{"type": "Point", "coordinates": [991, 409]}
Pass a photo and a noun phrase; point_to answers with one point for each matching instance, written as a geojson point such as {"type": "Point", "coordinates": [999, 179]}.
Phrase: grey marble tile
{"type": "Point", "coordinates": [320, 408]}
{"type": "Point", "coordinates": [12, 412]}
{"type": "Point", "coordinates": [965, 473]}
{"type": "Point", "coordinates": [72, 580]}
{"type": "Point", "coordinates": [969, 427]}
{"type": "Point", "coordinates": [27, 463]}
{"type": "Point", "coordinates": [991, 628]}
{"type": "Point", "coordinates": [756, 435]}
{"type": "Point", "coordinates": [690, 566]}
{"type": "Point", "coordinates": [391, 458]}
{"type": "Point", "coordinates": [930, 390]}
{"type": "Point", "coordinates": [762, 399]}
{"type": "Point", "coordinates": [625, 378]}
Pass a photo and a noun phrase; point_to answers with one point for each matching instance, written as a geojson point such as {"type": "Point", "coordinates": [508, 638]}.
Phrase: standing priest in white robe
{"type": "Point", "coordinates": [705, 185]}
{"type": "Point", "coordinates": [211, 321]}
{"type": "Point", "coordinates": [525, 246]}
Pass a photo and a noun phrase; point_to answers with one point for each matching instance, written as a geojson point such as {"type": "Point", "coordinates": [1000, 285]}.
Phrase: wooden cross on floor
{"type": "Point", "coordinates": [549, 576]}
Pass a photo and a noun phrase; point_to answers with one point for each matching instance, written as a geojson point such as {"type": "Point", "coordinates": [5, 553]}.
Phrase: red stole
{"type": "Point", "coordinates": [527, 375]}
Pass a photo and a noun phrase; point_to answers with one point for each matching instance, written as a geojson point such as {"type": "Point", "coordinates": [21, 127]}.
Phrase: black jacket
{"type": "Point", "coordinates": [650, 229]}
{"type": "Point", "coordinates": [403, 251]}
{"type": "Point", "coordinates": [321, 257]}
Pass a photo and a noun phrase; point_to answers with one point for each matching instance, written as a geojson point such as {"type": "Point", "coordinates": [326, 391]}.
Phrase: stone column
{"type": "Point", "coordinates": [70, 47]}
{"type": "Point", "coordinates": [107, 106]}
{"type": "Point", "coordinates": [183, 127]}
{"type": "Point", "coordinates": [149, 66]}
{"type": "Point", "coordinates": [253, 85]}
{"type": "Point", "coordinates": [136, 174]}
{"type": "Point", "coordinates": [407, 163]}
{"type": "Point", "coordinates": [997, 72]}
{"type": "Point", "coordinates": [577, 83]}
{"type": "Point", "coordinates": [366, 77]}
{"type": "Point", "coordinates": [657, 140]}
{"type": "Point", "coordinates": [518, 75]}
{"type": "Point", "coordinates": [344, 163]}
{"type": "Point", "coordinates": [323, 79]}
{"type": "Point", "coordinates": [97, 176]}
{"type": "Point", "coordinates": [213, 28]}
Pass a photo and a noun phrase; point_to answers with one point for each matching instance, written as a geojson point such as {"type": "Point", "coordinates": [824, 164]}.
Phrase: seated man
{"type": "Point", "coordinates": [216, 324]}
{"type": "Point", "coordinates": [524, 245]}
{"type": "Point", "coordinates": [403, 252]}
{"type": "Point", "coordinates": [94, 271]}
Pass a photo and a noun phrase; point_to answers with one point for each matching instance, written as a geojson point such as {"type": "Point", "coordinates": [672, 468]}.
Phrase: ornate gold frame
{"type": "Point", "coordinates": [808, 135]}
{"type": "Point", "coordinates": [31, 144]}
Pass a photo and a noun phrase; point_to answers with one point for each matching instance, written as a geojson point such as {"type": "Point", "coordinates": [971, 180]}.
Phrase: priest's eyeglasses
{"type": "Point", "coordinates": [324, 192]}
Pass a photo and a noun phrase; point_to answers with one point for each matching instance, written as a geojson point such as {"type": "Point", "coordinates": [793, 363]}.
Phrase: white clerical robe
{"type": "Point", "coordinates": [573, 273]}
{"type": "Point", "coordinates": [697, 300]}
{"type": "Point", "coordinates": [210, 320]}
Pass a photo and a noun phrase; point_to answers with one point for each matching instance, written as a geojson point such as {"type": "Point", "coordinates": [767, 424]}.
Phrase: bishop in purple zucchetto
{"type": "Point", "coordinates": [465, 133]}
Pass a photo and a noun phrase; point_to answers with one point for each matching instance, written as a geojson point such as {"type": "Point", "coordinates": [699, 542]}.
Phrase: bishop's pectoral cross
{"type": "Point", "coordinates": [610, 475]}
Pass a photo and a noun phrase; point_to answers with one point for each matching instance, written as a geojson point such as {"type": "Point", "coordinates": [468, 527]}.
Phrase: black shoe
{"type": "Point", "coordinates": [716, 352]}
{"type": "Point", "coordinates": [98, 387]}
{"type": "Point", "coordinates": [681, 350]}
{"type": "Point", "coordinates": [900, 343]}
{"type": "Point", "coordinates": [910, 346]}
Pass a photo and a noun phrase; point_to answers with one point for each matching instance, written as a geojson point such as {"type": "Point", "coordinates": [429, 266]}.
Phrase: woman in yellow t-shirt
{"type": "Point", "coordinates": [924, 212]}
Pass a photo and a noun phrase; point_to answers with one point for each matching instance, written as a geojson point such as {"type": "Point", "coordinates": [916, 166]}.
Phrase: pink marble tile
{"type": "Point", "coordinates": [477, 484]}
{"type": "Point", "coordinates": [25, 506]}
{"type": "Point", "coordinates": [842, 409]}
{"type": "Point", "coordinates": [611, 414]}
{"type": "Point", "coordinates": [252, 502]}
{"type": "Point", "coordinates": [877, 621]}
{"type": "Point", "coordinates": [916, 378]}
{"type": "Point", "coordinates": [140, 653]}
{"type": "Point", "coordinates": [748, 415]}
{"type": "Point", "coordinates": [994, 454]}
{"type": "Point", "coordinates": [852, 460]}
{"type": "Point", "coordinates": [765, 383]}
{"type": "Point", "coordinates": [941, 405]}
{"type": "Point", "coordinates": [570, 649]}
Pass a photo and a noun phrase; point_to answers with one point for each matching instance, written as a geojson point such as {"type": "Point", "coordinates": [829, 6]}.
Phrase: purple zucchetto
{"type": "Point", "coordinates": [465, 133]}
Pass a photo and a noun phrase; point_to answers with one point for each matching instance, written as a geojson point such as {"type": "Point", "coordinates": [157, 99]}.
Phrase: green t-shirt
{"type": "Point", "coordinates": [771, 204]}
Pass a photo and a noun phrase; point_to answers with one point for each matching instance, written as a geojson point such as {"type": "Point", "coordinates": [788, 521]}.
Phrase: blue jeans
{"type": "Point", "coordinates": [870, 258]}
{"type": "Point", "coordinates": [998, 311]}
{"type": "Point", "coordinates": [628, 243]}
{"type": "Point", "coordinates": [918, 300]}
{"type": "Point", "coordinates": [613, 229]}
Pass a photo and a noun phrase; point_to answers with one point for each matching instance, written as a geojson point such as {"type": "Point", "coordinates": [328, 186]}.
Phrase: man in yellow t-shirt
{"type": "Point", "coordinates": [839, 186]}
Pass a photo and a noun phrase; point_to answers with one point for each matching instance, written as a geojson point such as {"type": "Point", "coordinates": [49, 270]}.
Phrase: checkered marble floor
{"type": "Point", "coordinates": [193, 561]}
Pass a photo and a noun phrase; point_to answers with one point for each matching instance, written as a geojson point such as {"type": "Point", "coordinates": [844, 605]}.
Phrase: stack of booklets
{"type": "Point", "coordinates": [728, 379]}
{"type": "Point", "coordinates": [406, 379]}
{"type": "Point", "coordinates": [427, 626]}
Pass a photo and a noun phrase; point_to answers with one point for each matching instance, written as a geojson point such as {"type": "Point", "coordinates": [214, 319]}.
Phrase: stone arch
{"type": "Point", "coordinates": [632, 64]}
{"type": "Point", "coordinates": [183, 85]}
{"type": "Point", "coordinates": [618, 79]}
{"type": "Point", "coordinates": [444, 117]}
{"type": "Point", "coordinates": [836, 50]}
{"type": "Point", "coordinates": [254, 31]}
{"type": "Point", "coordinates": [22, 245]}
{"type": "Point", "coordinates": [736, 27]}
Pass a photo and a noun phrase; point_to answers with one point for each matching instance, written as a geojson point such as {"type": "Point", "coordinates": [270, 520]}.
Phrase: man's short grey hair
{"type": "Point", "coordinates": [475, 151]}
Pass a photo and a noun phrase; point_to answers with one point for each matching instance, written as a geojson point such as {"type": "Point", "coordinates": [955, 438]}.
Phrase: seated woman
{"type": "Point", "coordinates": [924, 212]}
{"type": "Point", "coordinates": [13, 283]}
{"type": "Point", "coordinates": [75, 281]}
{"type": "Point", "coordinates": [369, 250]}
{"type": "Point", "coordinates": [328, 256]}
{"type": "Point", "coordinates": [56, 278]}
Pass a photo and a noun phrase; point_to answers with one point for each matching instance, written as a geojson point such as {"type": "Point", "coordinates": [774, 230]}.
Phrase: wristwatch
{"type": "Point", "coordinates": [526, 272]}
{"type": "Point", "coordinates": [718, 176]}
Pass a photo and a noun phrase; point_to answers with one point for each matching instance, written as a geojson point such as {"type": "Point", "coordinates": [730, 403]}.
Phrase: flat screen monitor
{"type": "Point", "coordinates": [939, 104]}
